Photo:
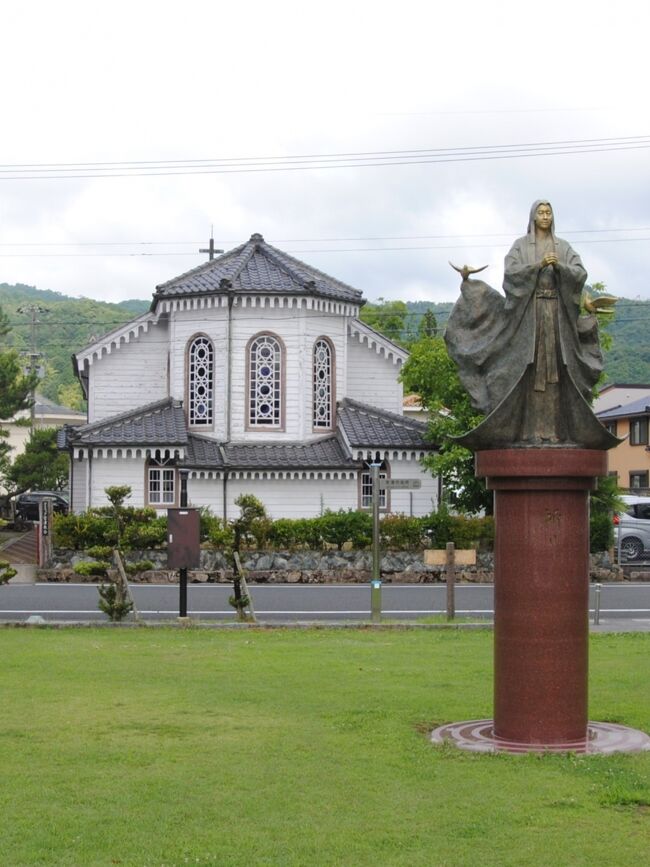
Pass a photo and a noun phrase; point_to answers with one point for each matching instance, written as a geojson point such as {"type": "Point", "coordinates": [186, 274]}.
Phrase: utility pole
{"type": "Point", "coordinates": [211, 248]}
{"type": "Point", "coordinates": [33, 310]}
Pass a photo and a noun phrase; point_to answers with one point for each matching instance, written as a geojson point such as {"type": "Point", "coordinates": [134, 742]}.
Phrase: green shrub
{"type": "Point", "coordinates": [601, 531]}
{"type": "Point", "coordinates": [6, 571]}
{"type": "Point", "coordinates": [99, 552]}
{"type": "Point", "coordinates": [148, 531]}
{"type": "Point", "coordinates": [139, 566]}
{"type": "Point", "coordinates": [337, 528]}
{"type": "Point", "coordinates": [92, 567]}
{"type": "Point", "coordinates": [438, 527]}
{"type": "Point", "coordinates": [463, 531]}
{"type": "Point", "coordinates": [295, 533]}
{"type": "Point", "coordinates": [472, 532]}
{"type": "Point", "coordinates": [113, 603]}
{"type": "Point", "coordinates": [401, 532]}
{"type": "Point", "coordinates": [221, 535]}
{"type": "Point", "coordinates": [83, 531]}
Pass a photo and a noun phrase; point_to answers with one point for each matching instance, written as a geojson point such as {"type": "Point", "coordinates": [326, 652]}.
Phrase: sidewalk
{"type": "Point", "coordinates": [619, 624]}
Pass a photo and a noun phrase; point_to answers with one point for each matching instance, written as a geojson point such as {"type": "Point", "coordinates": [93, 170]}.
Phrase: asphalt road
{"type": "Point", "coordinates": [293, 602]}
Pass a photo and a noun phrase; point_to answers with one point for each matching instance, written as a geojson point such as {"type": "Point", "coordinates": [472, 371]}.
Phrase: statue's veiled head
{"type": "Point", "coordinates": [541, 215]}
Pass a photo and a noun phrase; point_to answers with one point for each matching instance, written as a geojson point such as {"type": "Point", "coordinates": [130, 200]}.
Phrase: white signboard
{"type": "Point", "coordinates": [400, 484]}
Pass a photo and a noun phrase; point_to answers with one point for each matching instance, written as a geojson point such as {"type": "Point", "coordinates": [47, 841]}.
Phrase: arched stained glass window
{"type": "Point", "coordinates": [265, 382]}
{"type": "Point", "coordinates": [322, 385]}
{"type": "Point", "coordinates": [200, 385]}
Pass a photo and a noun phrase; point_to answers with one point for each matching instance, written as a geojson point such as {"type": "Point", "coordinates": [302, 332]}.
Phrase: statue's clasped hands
{"type": "Point", "coordinates": [550, 259]}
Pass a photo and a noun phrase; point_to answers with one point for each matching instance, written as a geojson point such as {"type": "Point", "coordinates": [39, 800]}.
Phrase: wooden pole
{"type": "Point", "coordinates": [450, 576]}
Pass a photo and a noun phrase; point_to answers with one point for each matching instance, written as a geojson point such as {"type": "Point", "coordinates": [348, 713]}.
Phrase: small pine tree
{"type": "Point", "coordinates": [113, 603]}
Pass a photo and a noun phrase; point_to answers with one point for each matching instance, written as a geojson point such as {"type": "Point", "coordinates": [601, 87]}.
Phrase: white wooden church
{"type": "Point", "coordinates": [253, 374]}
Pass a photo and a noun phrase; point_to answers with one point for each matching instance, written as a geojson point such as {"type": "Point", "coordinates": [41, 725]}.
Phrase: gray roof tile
{"type": "Point", "coordinates": [327, 452]}
{"type": "Point", "coordinates": [368, 426]}
{"type": "Point", "coordinates": [156, 423]}
{"type": "Point", "coordinates": [641, 406]}
{"type": "Point", "coordinates": [163, 423]}
{"type": "Point", "coordinates": [257, 268]}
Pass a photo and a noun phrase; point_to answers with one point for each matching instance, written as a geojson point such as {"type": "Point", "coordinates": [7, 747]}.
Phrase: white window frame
{"type": "Point", "coordinates": [265, 382]}
{"type": "Point", "coordinates": [322, 381]}
{"type": "Point", "coordinates": [161, 486]}
{"type": "Point", "coordinates": [200, 405]}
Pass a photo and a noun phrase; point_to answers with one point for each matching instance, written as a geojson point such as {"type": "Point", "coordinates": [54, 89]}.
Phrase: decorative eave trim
{"type": "Point", "coordinates": [256, 300]}
{"type": "Point", "coordinates": [374, 340]}
{"type": "Point", "coordinates": [114, 340]}
{"type": "Point", "coordinates": [129, 452]}
{"type": "Point", "coordinates": [275, 474]}
{"type": "Point", "coordinates": [368, 454]}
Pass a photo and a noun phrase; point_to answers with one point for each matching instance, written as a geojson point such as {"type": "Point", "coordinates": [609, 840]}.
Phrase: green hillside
{"type": "Point", "coordinates": [627, 361]}
{"type": "Point", "coordinates": [65, 325]}
{"type": "Point", "coordinates": [69, 323]}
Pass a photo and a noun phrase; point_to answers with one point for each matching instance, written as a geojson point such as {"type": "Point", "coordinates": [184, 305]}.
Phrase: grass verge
{"type": "Point", "coordinates": [274, 747]}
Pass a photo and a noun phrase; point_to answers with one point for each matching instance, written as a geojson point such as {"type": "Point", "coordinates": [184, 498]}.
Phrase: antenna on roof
{"type": "Point", "coordinates": [210, 249]}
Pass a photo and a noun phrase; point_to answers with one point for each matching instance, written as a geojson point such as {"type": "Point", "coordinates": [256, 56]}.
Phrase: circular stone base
{"type": "Point", "coordinates": [602, 738]}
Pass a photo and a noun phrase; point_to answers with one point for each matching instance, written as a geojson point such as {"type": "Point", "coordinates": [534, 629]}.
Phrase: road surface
{"type": "Point", "coordinates": [292, 602]}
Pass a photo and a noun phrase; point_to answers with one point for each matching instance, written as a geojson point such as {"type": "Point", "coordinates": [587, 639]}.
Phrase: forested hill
{"type": "Point", "coordinates": [65, 325]}
{"type": "Point", "coordinates": [627, 361]}
{"type": "Point", "coordinates": [68, 324]}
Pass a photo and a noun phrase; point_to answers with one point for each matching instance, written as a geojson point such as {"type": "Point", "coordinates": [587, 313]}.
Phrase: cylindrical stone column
{"type": "Point", "coordinates": [541, 590]}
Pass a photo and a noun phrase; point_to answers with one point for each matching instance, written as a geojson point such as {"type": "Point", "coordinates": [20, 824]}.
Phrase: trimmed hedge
{"type": "Point", "coordinates": [95, 531]}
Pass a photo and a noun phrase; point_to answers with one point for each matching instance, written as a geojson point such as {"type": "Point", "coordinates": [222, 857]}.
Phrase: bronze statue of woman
{"type": "Point", "coordinates": [528, 358]}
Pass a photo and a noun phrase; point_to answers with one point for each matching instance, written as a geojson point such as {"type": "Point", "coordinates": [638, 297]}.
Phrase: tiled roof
{"type": "Point", "coordinates": [256, 267]}
{"type": "Point", "coordinates": [163, 423]}
{"type": "Point", "coordinates": [636, 407]}
{"type": "Point", "coordinates": [327, 452]}
{"type": "Point", "coordinates": [368, 426]}
{"type": "Point", "coordinates": [156, 423]}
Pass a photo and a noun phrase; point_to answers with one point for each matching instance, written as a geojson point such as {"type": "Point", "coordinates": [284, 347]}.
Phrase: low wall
{"type": "Point", "coordinates": [306, 567]}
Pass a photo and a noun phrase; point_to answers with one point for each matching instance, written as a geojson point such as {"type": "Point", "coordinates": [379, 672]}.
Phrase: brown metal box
{"type": "Point", "coordinates": [183, 539]}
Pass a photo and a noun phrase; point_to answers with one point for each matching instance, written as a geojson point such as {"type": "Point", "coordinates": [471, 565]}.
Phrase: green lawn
{"type": "Point", "coordinates": [298, 747]}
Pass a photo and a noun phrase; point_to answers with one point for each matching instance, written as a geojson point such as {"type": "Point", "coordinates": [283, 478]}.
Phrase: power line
{"type": "Point", "coordinates": [65, 171]}
{"type": "Point", "coordinates": [508, 234]}
{"type": "Point", "coordinates": [336, 155]}
{"type": "Point", "coordinates": [396, 249]}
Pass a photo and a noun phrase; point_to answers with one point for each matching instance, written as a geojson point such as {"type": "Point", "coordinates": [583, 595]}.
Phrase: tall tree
{"type": "Point", "coordinates": [41, 467]}
{"type": "Point", "coordinates": [428, 324]}
{"type": "Point", "coordinates": [430, 372]}
{"type": "Point", "coordinates": [15, 388]}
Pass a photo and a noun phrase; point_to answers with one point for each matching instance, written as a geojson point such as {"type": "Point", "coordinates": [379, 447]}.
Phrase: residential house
{"type": "Point", "coordinates": [630, 461]}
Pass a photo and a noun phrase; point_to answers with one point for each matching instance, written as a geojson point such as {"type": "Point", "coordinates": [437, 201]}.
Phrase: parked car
{"type": "Point", "coordinates": [633, 527]}
{"type": "Point", "coordinates": [27, 505]}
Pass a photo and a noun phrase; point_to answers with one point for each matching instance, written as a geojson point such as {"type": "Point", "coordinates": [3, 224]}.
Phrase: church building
{"type": "Point", "coordinates": [250, 374]}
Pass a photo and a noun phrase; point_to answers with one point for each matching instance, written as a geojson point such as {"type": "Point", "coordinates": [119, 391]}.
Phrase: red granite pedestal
{"type": "Point", "coordinates": [541, 607]}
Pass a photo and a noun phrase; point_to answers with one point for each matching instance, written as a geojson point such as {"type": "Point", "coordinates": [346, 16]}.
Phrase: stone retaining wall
{"type": "Point", "coordinates": [306, 567]}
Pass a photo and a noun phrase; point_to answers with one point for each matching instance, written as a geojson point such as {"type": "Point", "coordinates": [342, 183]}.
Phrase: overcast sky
{"type": "Point", "coordinates": [155, 86]}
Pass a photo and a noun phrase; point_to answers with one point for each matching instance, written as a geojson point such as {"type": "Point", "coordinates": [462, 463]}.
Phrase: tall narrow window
{"type": "Point", "coordinates": [265, 382]}
{"type": "Point", "coordinates": [639, 431]}
{"type": "Point", "coordinates": [322, 385]}
{"type": "Point", "coordinates": [200, 381]}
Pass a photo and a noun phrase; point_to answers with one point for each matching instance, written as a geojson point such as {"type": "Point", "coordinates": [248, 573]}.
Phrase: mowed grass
{"type": "Point", "coordinates": [298, 747]}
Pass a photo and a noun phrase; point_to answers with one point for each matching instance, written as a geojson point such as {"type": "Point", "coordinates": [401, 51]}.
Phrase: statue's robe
{"type": "Point", "coordinates": [494, 341]}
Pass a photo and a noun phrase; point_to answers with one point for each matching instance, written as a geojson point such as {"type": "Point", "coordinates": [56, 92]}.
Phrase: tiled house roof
{"type": "Point", "coordinates": [257, 268]}
{"type": "Point", "coordinates": [636, 407]}
{"type": "Point", "coordinates": [367, 426]}
{"type": "Point", "coordinates": [163, 424]}
{"type": "Point", "coordinates": [156, 423]}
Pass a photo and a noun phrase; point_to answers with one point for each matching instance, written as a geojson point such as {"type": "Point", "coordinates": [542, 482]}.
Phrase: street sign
{"type": "Point", "coordinates": [400, 484]}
